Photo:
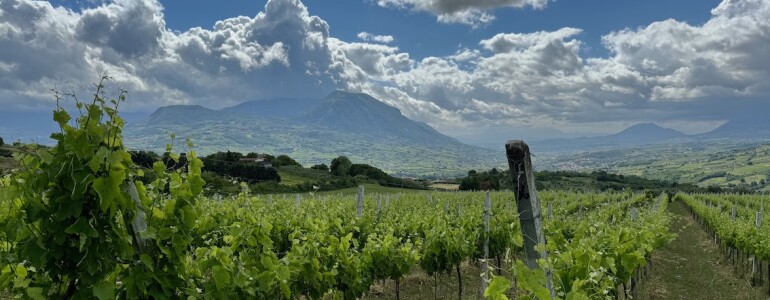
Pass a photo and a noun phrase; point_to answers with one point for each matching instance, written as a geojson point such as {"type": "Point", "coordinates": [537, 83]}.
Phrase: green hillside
{"type": "Point", "coordinates": [724, 164]}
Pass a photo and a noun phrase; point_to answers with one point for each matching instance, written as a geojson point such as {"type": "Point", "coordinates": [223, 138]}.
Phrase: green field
{"type": "Point", "coordinates": [295, 175]}
{"type": "Point", "coordinates": [723, 164]}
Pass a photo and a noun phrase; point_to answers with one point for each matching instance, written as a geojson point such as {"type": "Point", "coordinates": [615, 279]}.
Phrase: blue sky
{"type": "Point", "coordinates": [473, 69]}
{"type": "Point", "coordinates": [419, 34]}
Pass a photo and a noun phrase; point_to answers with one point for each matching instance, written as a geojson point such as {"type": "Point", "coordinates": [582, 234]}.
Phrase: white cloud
{"type": "Point", "coordinates": [368, 37]}
{"type": "Point", "coordinates": [282, 51]}
{"type": "Point", "coordinates": [470, 12]}
{"type": "Point", "coordinates": [667, 71]}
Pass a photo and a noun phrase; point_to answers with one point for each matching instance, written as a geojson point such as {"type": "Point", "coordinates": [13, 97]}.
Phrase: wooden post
{"type": "Point", "coordinates": [755, 266]}
{"type": "Point", "coordinates": [379, 201]}
{"type": "Point", "coordinates": [528, 205]}
{"type": "Point", "coordinates": [580, 211]}
{"type": "Point", "coordinates": [387, 200]}
{"type": "Point", "coordinates": [270, 199]}
{"type": "Point", "coordinates": [733, 213]}
{"type": "Point", "coordinates": [139, 223]}
{"type": "Point", "coordinates": [550, 210]}
{"type": "Point", "coordinates": [485, 265]}
{"type": "Point", "coordinates": [360, 209]}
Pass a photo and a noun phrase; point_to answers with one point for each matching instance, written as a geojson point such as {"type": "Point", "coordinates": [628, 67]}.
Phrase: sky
{"type": "Point", "coordinates": [477, 70]}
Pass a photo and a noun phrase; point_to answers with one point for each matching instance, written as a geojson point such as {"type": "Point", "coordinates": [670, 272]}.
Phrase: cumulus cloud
{"type": "Point", "coordinates": [368, 37]}
{"type": "Point", "coordinates": [668, 71]}
{"type": "Point", "coordinates": [663, 71]}
{"type": "Point", "coordinates": [470, 12]}
{"type": "Point", "coordinates": [282, 51]}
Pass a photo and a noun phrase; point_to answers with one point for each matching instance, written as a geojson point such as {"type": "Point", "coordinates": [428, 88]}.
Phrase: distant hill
{"type": "Point", "coordinates": [747, 127]}
{"type": "Point", "coordinates": [357, 125]}
{"type": "Point", "coordinates": [638, 134]}
{"type": "Point", "coordinates": [644, 132]}
{"type": "Point", "coordinates": [180, 113]}
{"type": "Point", "coordinates": [280, 107]}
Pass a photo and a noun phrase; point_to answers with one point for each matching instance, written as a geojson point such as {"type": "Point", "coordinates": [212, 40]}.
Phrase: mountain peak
{"type": "Point", "coordinates": [363, 113]}
{"type": "Point", "coordinates": [648, 131]}
{"type": "Point", "coordinates": [276, 108]}
{"type": "Point", "coordinates": [172, 112]}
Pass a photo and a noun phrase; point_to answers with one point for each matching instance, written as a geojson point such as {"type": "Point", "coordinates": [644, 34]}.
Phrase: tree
{"type": "Point", "coordinates": [285, 160]}
{"type": "Point", "coordinates": [340, 166]}
{"type": "Point", "coordinates": [1, 142]}
{"type": "Point", "coordinates": [144, 159]}
{"type": "Point", "coordinates": [322, 167]}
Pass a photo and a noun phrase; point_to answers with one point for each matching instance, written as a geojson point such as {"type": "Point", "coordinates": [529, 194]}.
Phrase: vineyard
{"type": "Point", "coordinates": [283, 247]}
{"type": "Point", "coordinates": [735, 223]}
{"type": "Point", "coordinates": [76, 222]}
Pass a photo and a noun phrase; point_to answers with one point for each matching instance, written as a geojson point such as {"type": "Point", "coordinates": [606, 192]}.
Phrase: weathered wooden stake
{"type": "Point", "coordinates": [379, 200]}
{"type": "Point", "coordinates": [550, 210]}
{"type": "Point", "coordinates": [139, 223]}
{"type": "Point", "coordinates": [485, 265]}
{"type": "Point", "coordinates": [755, 266]}
{"type": "Point", "coordinates": [528, 205]}
{"type": "Point", "coordinates": [733, 213]}
{"type": "Point", "coordinates": [360, 209]}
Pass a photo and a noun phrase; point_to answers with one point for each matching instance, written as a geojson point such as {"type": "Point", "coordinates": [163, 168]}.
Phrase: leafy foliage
{"type": "Point", "coordinates": [229, 164]}
{"type": "Point", "coordinates": [76, 223]}
{"type": "Point", "coordinates": [322, 167]}
{"type": "Point", "coordinates": [340, 166]}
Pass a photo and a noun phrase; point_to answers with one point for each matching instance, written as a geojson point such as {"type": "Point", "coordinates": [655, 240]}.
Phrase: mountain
{"type": "Point", "coordinates": [178, 113]}
{"type": "Point", "coordinates": [644, 132]}
{"type": "Point", "coordinates": [356, 125]}
{"type": "Point", "coordinates": [635, 135]}
{"type": "Point", "coordinates": [363, 113]}
{"type": "Point", "coordinates": [747, 127]}
{"type": "Point", "coordinates": [280, 107]}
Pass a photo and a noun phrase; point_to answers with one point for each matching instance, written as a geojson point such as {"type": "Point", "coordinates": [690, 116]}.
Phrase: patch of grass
{"type": "Point", "coordinates": [445, 186]}
{"type": "Point", "coordinates": [692, 267]}
{"type": "Point", "coordinates": [291, 175]}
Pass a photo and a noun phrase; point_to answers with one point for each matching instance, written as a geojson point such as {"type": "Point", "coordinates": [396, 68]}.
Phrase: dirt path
{"type": "Point", "coordinates": [691, 267]}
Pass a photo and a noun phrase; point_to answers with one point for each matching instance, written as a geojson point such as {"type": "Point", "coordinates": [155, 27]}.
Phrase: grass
{"type": "Point", "coordinates": [692, 267]}
{"type": "Point", "coordinates": [445, 186]}
{"type": "Point", "coordinates": [291, 175]}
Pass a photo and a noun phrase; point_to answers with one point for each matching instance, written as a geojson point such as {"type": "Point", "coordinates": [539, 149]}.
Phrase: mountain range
{"type": "Point", "coordinates": [751, 129]}
{"type": "Point", "coordinates": [316, 131]}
